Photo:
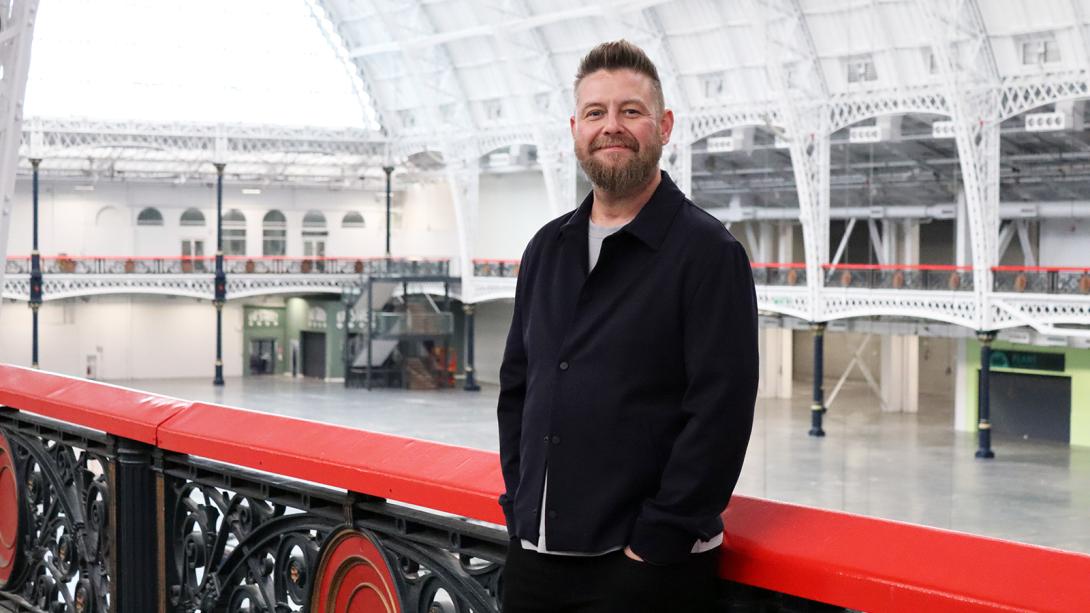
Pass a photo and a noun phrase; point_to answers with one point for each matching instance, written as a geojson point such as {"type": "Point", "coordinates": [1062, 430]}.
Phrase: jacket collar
{"type": "Point", "coordinates": [650, 224]}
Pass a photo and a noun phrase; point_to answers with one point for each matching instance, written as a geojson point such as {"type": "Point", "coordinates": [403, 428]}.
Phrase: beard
{"type": "Point", "coordinates": [621, 178]}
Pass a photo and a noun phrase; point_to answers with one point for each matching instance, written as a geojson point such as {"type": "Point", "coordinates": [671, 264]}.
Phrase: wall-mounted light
{"type": "Point", "coordinates": [84, 188]}
{"type": "Point", "coordinates": [251, 191]}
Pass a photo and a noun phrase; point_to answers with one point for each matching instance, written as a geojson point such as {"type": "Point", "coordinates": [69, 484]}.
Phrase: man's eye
{"type": "Point", "coordinates": [632, 112]}
{"type": "Point", "coordinates": [594, 113]}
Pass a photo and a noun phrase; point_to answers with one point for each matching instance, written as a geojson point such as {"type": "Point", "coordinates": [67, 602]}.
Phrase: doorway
{"type": "Point", "coordinates": [1036, 407]}
{"type": "Point", "coordinates": [313, 354]}
{"type": "Point", "coordinates": [262, 356]}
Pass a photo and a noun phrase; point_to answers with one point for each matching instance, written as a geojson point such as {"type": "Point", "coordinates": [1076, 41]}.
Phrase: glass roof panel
{"type": "Point", "coordinates": [206, 61]}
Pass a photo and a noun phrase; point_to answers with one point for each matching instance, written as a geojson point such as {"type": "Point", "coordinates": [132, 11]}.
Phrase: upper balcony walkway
{"type": "Point", "coordinates": [74, 276]}
{"type": "Point", "coordinates": [1020, 295]}
{"type": "Point", "coordinates": [1046, 297]}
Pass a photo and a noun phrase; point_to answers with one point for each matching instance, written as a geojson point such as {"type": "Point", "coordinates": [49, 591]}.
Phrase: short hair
{"type": "Point", "coordinates": [621, 55]}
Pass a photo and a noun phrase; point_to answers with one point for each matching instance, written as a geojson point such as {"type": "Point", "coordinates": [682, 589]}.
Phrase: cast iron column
{"type": "Point", "coordinates": [134, 523]}
{"type": "Point", "coordinates": [35, 273]}
{"type": "Point", "coordinates": [817, 408]}
{"type": "Point", "coordinates": [221, 276]}
{"type": "Point", "coordinates": [389, 170]}
{"type": "Point", "coordinates": [448, 376]}
{"type": "Point", "coordinates": [984, 425]}
{"type": "Point", "coordinates": [349, 293]}
{"type": "Point", "coordinates": [471, 377]}
{"type": "Point", "coordinates": [370, 327]}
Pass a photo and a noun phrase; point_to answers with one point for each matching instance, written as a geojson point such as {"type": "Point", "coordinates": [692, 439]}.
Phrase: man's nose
{"type": "Point", "coordinates": [613, 122]}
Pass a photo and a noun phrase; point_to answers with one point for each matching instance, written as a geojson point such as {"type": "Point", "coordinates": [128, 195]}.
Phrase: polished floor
{"type": "Point", "coordinates": [911, 468]}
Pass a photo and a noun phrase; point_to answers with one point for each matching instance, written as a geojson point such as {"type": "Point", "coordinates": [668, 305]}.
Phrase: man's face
{"type": "Point", "coordinates": [619, 129]}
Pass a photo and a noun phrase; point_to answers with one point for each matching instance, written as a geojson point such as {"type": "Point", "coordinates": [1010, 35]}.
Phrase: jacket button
{"type": "Point", "coordinates": [556, 439]}
{"type": "Point", "coordinates": [563, 366]}
{"type": "Point", "coordinates": [546, 438]}
{"type": "Point", "coordinates": [551, 514]}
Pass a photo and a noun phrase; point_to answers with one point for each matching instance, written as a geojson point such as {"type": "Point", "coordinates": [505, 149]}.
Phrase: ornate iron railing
{"type": "Point", "coordinates": [496, 268]}
{"type": "Point", "coordinates": [935, 277]}
{"type": "Point", "coordinates": [134, 265]}
{"type": "Point", "coordinates": [775, 273]}
{"type": "Point", "coordinates": [117, 500]}
{"type": "Point", "coordinates": [401, 325]}
{"type": "Point", "coordinates": [1041, 279]}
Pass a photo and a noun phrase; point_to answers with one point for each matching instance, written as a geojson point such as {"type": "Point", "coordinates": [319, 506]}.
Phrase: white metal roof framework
{"type": "Point", "coordinates": [461, 78]}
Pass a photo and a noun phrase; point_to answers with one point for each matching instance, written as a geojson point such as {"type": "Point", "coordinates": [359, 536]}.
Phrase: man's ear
{"type": "Point", "coordinates": [573, 126]}
{"type": "Point", "coordinates": [666, 125]}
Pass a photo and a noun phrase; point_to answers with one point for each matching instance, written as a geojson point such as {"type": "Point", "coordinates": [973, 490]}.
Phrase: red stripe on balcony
{"type": "Point", "coordinates": [879, 565]}
{"type": "Point", "coordinates": [116, 410]}
{"type": "Point", "coordinates": [447, 478]}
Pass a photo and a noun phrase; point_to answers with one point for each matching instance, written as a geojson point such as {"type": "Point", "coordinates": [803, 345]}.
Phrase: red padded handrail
{"type": "Point", "coordinates": [847, 560]}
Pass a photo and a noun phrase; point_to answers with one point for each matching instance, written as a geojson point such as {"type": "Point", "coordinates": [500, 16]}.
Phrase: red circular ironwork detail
{"type": "Point", "coordinates": [354, 577]}
{"type": "Point", "coordinates": [9, 512]}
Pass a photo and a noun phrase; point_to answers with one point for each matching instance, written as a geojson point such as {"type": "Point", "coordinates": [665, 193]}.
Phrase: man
{"type": "Point", "coordinates": [629, 376]}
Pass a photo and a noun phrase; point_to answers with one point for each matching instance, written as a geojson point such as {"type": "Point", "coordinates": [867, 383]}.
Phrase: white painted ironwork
{"type": "Point", "coordinates": [16, 34]}
{"type": "Point", "coordinates": [951, 307]}
{"type": "Point", "coordinates": [791, 301]}
{"type": "Point", "coordinates": [200, 286]}
{"type": "Point", "coordinates": [797, 78]}
{"type": "Point", "coordinates": [803, 107]}
{"type": "Point", "coordinates": [971, 83]}
{"type": "Point", "coordinates": [463, 175]}
{"type": "Point", "coordinates": [87, 150]}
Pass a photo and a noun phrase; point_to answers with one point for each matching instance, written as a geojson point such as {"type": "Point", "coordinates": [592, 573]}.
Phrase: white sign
{"type": "Point", "coordinates": [262, 318]}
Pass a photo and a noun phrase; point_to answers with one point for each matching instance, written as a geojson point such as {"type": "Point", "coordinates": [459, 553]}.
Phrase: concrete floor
{"type": "Point", "coordinates": [911, 468]}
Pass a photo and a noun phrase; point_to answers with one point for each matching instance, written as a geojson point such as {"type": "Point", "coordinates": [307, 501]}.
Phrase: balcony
{"type": "Point", "coordinates": [412, 325]}
{"type": "Point", "coordinates": [119, 500]}
{"type": "Point", "coordinates": [232, 264]}
{"type": "Point", "coordinates": [74, 276]}
{"type": "Point", "coordinates": [1041, 280]}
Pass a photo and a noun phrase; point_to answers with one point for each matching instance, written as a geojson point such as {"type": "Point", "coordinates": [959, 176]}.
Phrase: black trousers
{"type": "Point", "coordinates": [611, 583]}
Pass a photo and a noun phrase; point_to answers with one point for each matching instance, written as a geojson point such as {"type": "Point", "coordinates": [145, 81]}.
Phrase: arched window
{"type": "Point", "coordinates": [192, 217]}
{"type": "Point", "coordinates": [352, 220]}
{"type": "Point", "coordinates": [314, 234]}
{"type": "Point", "coordinates": [149, 217]}
{"type": "Point", "coordinates": [274, 234]}
{"type": "Point", "coordinates": [234, 233]}
{"type": "Point", "coordinates": [314, 220]}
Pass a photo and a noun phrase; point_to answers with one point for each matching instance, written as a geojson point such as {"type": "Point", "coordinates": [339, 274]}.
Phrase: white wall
{"type": "Point", "coordinates": [491, 324]}
{"type": "Point", "coordinates": [513, 207]}
{"type": "Point", "coordinates": [131, 337]}
{"type": "Point", "coordinates": [103, 221]}
{"type": "Point", "coordinates": [936, 360]}
{"type": "Point", "coordinates": [1064, 242]}
{"type": "Point", "coordinates": [427, 227]}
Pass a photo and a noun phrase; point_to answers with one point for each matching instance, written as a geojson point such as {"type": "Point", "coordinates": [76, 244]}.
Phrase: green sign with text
{"type": "Point", "coordinates": [1028, 360]}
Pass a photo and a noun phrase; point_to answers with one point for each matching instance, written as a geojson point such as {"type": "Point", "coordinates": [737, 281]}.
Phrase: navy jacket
{"type": "Point", "coordinates": [634, 384]}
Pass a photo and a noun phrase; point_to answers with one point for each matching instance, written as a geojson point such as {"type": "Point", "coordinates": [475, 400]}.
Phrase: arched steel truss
{"type": "Point", "coordinates": [966, 87]}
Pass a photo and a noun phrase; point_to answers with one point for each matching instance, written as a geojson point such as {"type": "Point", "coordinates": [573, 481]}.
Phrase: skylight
{"type": "Point", "coordinates": [205, 61]}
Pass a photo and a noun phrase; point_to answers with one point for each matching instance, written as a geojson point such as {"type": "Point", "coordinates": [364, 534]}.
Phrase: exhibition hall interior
{"type": "Point", "coordinates": [271, 247]}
